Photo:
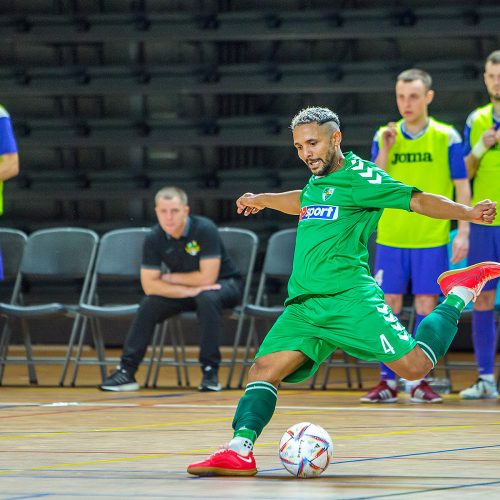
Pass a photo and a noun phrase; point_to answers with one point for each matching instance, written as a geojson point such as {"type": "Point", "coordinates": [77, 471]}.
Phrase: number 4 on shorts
{"type": "Point", "coordinates": [386, 346]}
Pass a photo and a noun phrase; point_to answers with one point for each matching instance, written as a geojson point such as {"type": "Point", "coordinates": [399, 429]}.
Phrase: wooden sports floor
{"type": "Point", "coordinates": [83, 443]}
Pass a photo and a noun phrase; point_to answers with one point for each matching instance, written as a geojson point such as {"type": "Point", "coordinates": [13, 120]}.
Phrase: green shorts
{"type": "Point", "coordinates": [358, 321]}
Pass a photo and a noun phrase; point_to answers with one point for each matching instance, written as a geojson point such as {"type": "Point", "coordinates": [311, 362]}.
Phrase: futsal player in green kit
{"type": "Point", "coordinates": [333, 301]}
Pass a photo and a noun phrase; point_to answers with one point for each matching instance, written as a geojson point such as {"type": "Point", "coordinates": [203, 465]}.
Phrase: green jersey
{"type": "Point", "coordinates": [338, 213]}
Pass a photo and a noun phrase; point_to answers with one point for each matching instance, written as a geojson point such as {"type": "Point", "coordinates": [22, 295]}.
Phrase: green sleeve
{"type": "Point", "coordinates": [373, 187]}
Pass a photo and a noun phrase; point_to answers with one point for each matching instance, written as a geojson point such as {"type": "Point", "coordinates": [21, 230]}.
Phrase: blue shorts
{"type": "Point", "coordinates": [396, 268]}
{"type": "Point", "coordinates": [484, 244]}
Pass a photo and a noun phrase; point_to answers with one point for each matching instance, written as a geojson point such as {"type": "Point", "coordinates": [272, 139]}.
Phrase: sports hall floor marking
{"type": "Point", "coordinates": [190, 452]}
{"type": "Point", "coordinates": [298, 409]}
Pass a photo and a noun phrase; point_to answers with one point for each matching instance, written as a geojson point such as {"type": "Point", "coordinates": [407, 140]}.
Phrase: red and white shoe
{"type": "Point", "coordinates": [472, 277]}
{"type": "Point", "coordinates": [423, 393]}
{"type": "Point", "coordinates": [381, 393]}
{"type": "Point", "coordinates": [224, 463]}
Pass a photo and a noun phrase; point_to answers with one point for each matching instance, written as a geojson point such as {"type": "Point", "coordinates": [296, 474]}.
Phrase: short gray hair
{"type": "Point", "coordinates": [494, 57]}
{"type": "Point", "coordinates": [170, 192]}
{"type": "Point", "coordinates": [413, 74]}
{"type": "Point", "coordinates": [315, 115]}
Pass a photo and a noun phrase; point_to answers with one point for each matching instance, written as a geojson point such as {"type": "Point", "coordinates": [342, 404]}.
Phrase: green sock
{"type": "Point", "coordinates": [437, 330]}
{"type": "Point", "coordinates": [255, 410]}
{"type": "Point", "coordinates": [455, 301]}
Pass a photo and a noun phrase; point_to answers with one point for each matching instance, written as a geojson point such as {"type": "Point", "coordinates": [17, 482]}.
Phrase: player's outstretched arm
{"type": "Point", "coordinates": [287, 202]}
{"type": "Point", "coordinates": [440, 207]}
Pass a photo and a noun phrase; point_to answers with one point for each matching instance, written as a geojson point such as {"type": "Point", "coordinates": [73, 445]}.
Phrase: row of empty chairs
{"type": "Point", "coordinates": [259, 24]}
{"type": "Point", "coordinates": [66, 255]}
{"type": "Point", "coordinates": [60, 255]}
{"type": "Point", "coordinates": [317, 77]}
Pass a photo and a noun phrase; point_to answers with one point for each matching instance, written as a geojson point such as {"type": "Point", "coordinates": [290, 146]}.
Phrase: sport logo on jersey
{"type": "Point", "coordinates": [325, 212]}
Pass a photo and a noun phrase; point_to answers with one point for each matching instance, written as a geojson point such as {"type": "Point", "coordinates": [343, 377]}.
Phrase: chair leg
{"type": "Point", "coordinates": [178, 342]}
{"type": "Point", "coordinates": [359, 376]}
{"type": "Point", "coordinates": [4, 349]}
{"type": "Point", "coordinates": [69, 350]}
{"type": "Point", "coordinates": [79, 347]}
{"type": "Point", "coordinates": [100, 350]}
{"type": "Point", "coordinates": [234, 355]}
{"type": "Point", "coordinates": [29, 353]}
{"type": "Point", "coordinates": [161, 347]}
{"type": "Point", "coordinates": [245, 362]}
{"type": "Point", "coordinates": [326, 375]}
{"type": "Point", "coordinates": [154, 346]}
{"type": "Point", "coordinates": [345, 357]}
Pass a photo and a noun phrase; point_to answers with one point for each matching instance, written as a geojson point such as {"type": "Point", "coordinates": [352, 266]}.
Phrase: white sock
{"type": "Point", "coordinates": [464, 293]}
{"type": "Point", "coordinates": [489, 377]}
{"type": "Point", "coordinates": [392, 384]}
{"type": "Point", "coordinates": [242, 446]}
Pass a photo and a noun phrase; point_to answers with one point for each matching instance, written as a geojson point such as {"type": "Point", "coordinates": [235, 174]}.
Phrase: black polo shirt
{"type": "Point", "coordinates": [200, 240]}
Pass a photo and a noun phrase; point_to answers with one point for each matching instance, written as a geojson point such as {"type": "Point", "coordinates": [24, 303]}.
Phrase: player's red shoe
{"type": "Point", "coordinates": [224, 463]}
{"type": "Point", "coordinates": [473, 277]}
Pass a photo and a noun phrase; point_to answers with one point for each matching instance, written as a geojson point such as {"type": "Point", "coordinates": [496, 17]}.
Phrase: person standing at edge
{"type": "Point", "coordinates": [482, 157]}
{"type": "Point", "coordinates": [9, 158]}
{"type": "Point", "coordinates": [412, 248]}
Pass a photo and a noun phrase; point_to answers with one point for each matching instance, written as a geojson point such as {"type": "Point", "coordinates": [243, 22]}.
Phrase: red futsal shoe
{"type": "Point", "coordinates": [224, 463]}
{"type": "Point", "coordinates": [473, 277]}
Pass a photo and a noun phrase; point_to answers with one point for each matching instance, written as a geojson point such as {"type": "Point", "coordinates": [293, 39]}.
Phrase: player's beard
{"type": "Point", "coordinates": [331, 162]}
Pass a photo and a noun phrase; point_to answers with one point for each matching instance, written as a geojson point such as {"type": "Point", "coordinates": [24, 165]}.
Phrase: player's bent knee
{"type": "Point", "coordinates": [413, 366]}
{"type": "Point", "coordinates": [261, 370]}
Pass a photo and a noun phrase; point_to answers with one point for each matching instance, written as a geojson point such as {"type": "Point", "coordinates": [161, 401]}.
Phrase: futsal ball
{"type": "Point", "coordinates": [305, 450]}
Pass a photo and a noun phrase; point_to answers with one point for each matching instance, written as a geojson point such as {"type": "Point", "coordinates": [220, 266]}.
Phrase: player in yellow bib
{"type": "Point", "coordinates": [411, 248]}
{"type": "Point", "coordinates": [482, 157]}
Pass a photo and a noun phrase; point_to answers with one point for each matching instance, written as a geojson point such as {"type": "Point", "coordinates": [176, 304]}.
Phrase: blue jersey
{"type": "Point", "coordinates": [7, 140]}
{"type": "Point", "coordinates": [468, 124]}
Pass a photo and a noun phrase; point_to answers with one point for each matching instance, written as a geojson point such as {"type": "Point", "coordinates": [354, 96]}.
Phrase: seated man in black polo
{"type": "Point", "coordinates": [185, 267]}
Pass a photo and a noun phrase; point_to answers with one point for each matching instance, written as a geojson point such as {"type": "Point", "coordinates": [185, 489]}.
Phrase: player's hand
{"type": "Point", "coordinates": [389, 136]}
{"type": "Point", "coordinates": [497, 135]}
{"type": "Point", "coordinates": [459, 248]}
{"type": "Point", "coordinates": [484, 212]}
{"type": "Point", "coordinates": [196, 290]}
{"type": "Point", "coordinates": [249, 203]}
{"type": "Point", "coordinates": [490, 137]}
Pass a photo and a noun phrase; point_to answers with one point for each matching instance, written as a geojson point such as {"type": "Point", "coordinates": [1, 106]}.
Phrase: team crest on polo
{"type": "Point", "coordinates": [192, 248]}
{"type": "Point", "coordinates": [327, 193]}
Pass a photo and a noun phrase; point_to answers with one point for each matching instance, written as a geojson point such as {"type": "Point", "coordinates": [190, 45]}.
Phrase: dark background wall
{"type": "Point", "coordinates": [113, 99]}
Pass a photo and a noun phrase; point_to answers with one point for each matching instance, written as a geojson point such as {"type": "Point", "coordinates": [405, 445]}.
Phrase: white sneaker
{"type": "Point", "coordinates": [482, 389]}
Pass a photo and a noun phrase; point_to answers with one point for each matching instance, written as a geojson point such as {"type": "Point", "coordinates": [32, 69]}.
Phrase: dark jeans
{"type": "Point", "coordinates": [208, 306]}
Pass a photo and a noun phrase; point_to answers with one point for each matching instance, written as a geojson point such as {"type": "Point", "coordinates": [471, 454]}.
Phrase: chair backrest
{"type": "Point", "coordinates": [12, 243]}
{"type": "Point", "coordinates": [59, 253]}
{"type": "Point", "coordinates": [118, 262]}
{"type": "Point", "coordinates": [241, 245]}
{"type": "Point", "coordinates": [278, 260]}
{"type": "Point", "coordinates": [120, 253]}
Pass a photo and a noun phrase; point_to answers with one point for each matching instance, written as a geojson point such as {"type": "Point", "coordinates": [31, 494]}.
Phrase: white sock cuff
{"type": "Point", "coordinates": [464, 293]}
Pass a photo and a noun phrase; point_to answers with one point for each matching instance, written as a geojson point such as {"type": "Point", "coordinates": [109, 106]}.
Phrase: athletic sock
{"type": "Point", "coordinates": [484, 338]}
{"type": "Point", "coordinates": [253, 413]}
{"type": "Point", "coordinates": [464, 293]}
{"type": "Point", "coordinates": [455, 300]}
{"type": "Point", "coordinates": [488, 377]}
{"type": "Point", "coordinates": [438, 329]}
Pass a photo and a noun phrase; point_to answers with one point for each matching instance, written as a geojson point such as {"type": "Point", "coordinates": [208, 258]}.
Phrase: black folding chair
{"type": "Point", "coordinates": [277, 267]}
{"type": "Point", "coordinates": [241, 245]}
{"type": "Point", "coordinates": [12, 243]}
{"type": "Point", "coordinates": [116, 273]}
{"type": "Point", "coordinates": [55, 261]}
